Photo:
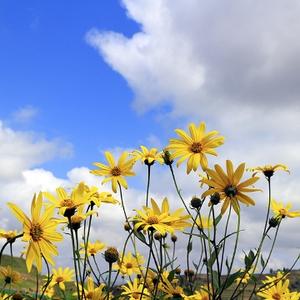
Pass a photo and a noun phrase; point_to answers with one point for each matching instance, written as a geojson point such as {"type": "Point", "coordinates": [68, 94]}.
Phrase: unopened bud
{"type": "Point", "coordinates": [111, 255]}
{"type": "Point", "coordinates": [196, 202]}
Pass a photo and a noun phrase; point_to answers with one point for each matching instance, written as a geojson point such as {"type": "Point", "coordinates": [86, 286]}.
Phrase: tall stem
{"type": "Point", "coordinates": [148, 184]}
{"type": "Point", "coordinates": [74, 257]}
{"type": "Point", "coordinates": [233, 255]}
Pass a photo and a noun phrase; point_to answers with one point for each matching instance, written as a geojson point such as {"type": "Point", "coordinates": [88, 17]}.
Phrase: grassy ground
{"type": "Point", "coordinates": [28, 282]}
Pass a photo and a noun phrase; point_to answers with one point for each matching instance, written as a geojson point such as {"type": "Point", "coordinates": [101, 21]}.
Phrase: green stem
{"type": "Point", "coordinates": [215, 246]}
{"type": "Point", "coordinates": [86, 240]}
{"type": "Point", "coordinates": [79, 265]}
{"type": "Point", "coordinates": [233, 256]}
{"type": "Point", "coordinates": [109, 280]}
{"type": "Point", "coordinates": [179, 194]}
{"type": "Point", "coordinates": [74, 257]}
{"type": "Point", "coordinates": [148, 264]}
{"type": "Point", "coordinates": [225, 234]}
{"type": "Point", "coordinates": [148, 184]}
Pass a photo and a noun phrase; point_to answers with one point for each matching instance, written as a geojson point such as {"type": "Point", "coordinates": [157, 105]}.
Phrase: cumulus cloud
{"type": "Point", "coordinates": [198, 52]}
{"type": "Point", "coordinates": [233, 64]}
{"type": "Point", "coordinates": [21, 150]}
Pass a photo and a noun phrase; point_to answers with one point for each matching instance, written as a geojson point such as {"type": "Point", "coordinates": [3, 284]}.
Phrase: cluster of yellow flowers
{"type": "Point", "coordinates": [157, 276]}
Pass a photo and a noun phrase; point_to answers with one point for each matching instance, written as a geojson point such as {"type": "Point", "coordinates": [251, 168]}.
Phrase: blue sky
{"type": "Point", "coordinates": [47, 64]}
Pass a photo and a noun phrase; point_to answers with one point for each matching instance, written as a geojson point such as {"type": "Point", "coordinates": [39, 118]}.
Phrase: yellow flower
{"type": "Point", "coordinates": [160, 220]}
{"type": "Point", "coordinates": [268, 170]}
{"type": "Point", "coordinates": [68, 203]}
{"type": "Point", "coordinates": [39, 232]}
{"type": "Point", "coordinates": [202, 294]}
{"type": "Point", "coordinates": [148, 157]}
{"type": "Point", "coordinates": [282, 211]}
{"type": "Point", "coordinates": [229, 187]}
{"type": "Point", "coordinates": [195, 146]}
{"type": "Point", "coordinates": [203, 222]}
{"type": "Point", "coordinates": [245, 277]}
{"type": "Point", "coordinates": [92, 248]}
{"type": "Point", "coordinates": [276, 288]}
{"type": "Point", "coordinates": [60, 276]}
{"type": "Point", "coordinates": [134, 290]}
{"type": "Point", "coordinates": [115, 172]}
{"type": "Point", "coordinates": [9, 235]}
{"type": "Point", "coordinates": [172, 290]}
{"type": "Point", "coordinates": [9, 275]}
{"type": "Point", "coordinates": [130, 264]}
{"type": "Point", "coordinates": [49, 292]}
{"type": "Point", "coordinates": [97, 198]}
{"type": "Point", "coordinates": [92, 292]}
{"type": "Point", "coordinates": [5, 297]}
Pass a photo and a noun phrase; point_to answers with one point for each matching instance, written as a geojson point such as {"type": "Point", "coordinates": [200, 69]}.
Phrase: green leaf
{"type": "Point", "coordinates": [218, 219]}
{"type": "Point", "coordinates": [140, 236]}
{"type": "Point", "coordinates": [231, 278]}
{"type": "Point", "coordinates": [214, 275]}
{"type": "Point", "coordinates": [249, 259]}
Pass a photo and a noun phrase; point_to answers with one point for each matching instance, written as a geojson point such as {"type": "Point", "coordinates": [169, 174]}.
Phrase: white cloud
{"type": "Point", "coordinates": [25, 114]}
{"type": "Point", "coordinates": [233, 64]}
{"type": "Point", "coordinates": [21, 150]}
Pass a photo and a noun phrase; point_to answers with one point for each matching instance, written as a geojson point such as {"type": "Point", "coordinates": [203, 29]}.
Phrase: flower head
{"type": "Point", "coordinates": [60, 276]}
{"type": "Point", "coordinates": [115, 172]}
{"type": "Point", "coordinates": [92, 248]}
{"type": "Point", "coordinates": [91, 292]}
{"type": "Point", "coordinates": [9, 235]}
{"type": "Point", "coordinates": [9, 275]}
{"type": "Point", "coordinates": [268, 170]}
{"type": "Point", "coordinates": [67, 203]}
{"type": "Point", "coordinates": [39, 232]}
{"type": "Point", "coordinates": [281, 211]}
{"type": "Point", "coordinates": [204, 222]}
{"type": "Point", "coordinates": [148, 157]}
{"type": "Point", "coordinates": [276, 288]}
{"type": "Point", "coordinates": [135, 290]}
{"type": "Point", "coordinates": [130, 264]}
{"type": "Point", "coordinates": [229, 186]}
{"type": "Point", "coordinates": [161, 220]}
{"type": "Point", "coordinates": [194, 147]}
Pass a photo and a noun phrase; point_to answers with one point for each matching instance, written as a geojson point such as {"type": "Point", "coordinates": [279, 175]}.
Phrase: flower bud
{"type": "Point", "coordinates": [174, 238]}
{"type": "Point", "coordinates": [196, 202]}
{"type": "Point", "coordinates": [273, 222]}
{"type": "Point", "coordinates": [157, 236]}
{"type": "Point", "coordinates": [111, 255]}
{"type": "Point", "coordinates": [167, 158]}
{"type": "Point", "coordinates": [178, 271]}
{"type": "Point", "coordinates": [215, 198]}
{"type": "Point", "coordinates": [127, 227]}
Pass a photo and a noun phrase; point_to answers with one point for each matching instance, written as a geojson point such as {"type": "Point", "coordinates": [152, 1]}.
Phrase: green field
{"type": "Point", "coordinates": [28, 283]}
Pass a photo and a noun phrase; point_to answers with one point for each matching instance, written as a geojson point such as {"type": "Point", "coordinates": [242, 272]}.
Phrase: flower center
{"type": "Point", "coordinates": [93, 251]}
{"type": "Point", "coordinates": [268, 173]}
{"type": "Point", "coordinates": [90, 295]}
{"type": "Point", "coordinates": [152, 220]}
{"type": "Point", "coordinates": [276, 296]}
{"type": "Point", "coordinates": [36, 232]}
{"type": "Point", "coordinates": [129, 265]}
{"type": "Point", "coordinates": [67, 203]}
{"type": "Point", "coordinates": [230, 191]}
{"type": "Point", "coordinates": [116, 171]}
{"type": "Point", "coordinates": [135, 295]}
{"type": "Point", "coordinates": [59, 279]}
{"type": "Point", "coordinates": [283, 212]}
{"type": "Point", "coordinates": [196, 147]}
